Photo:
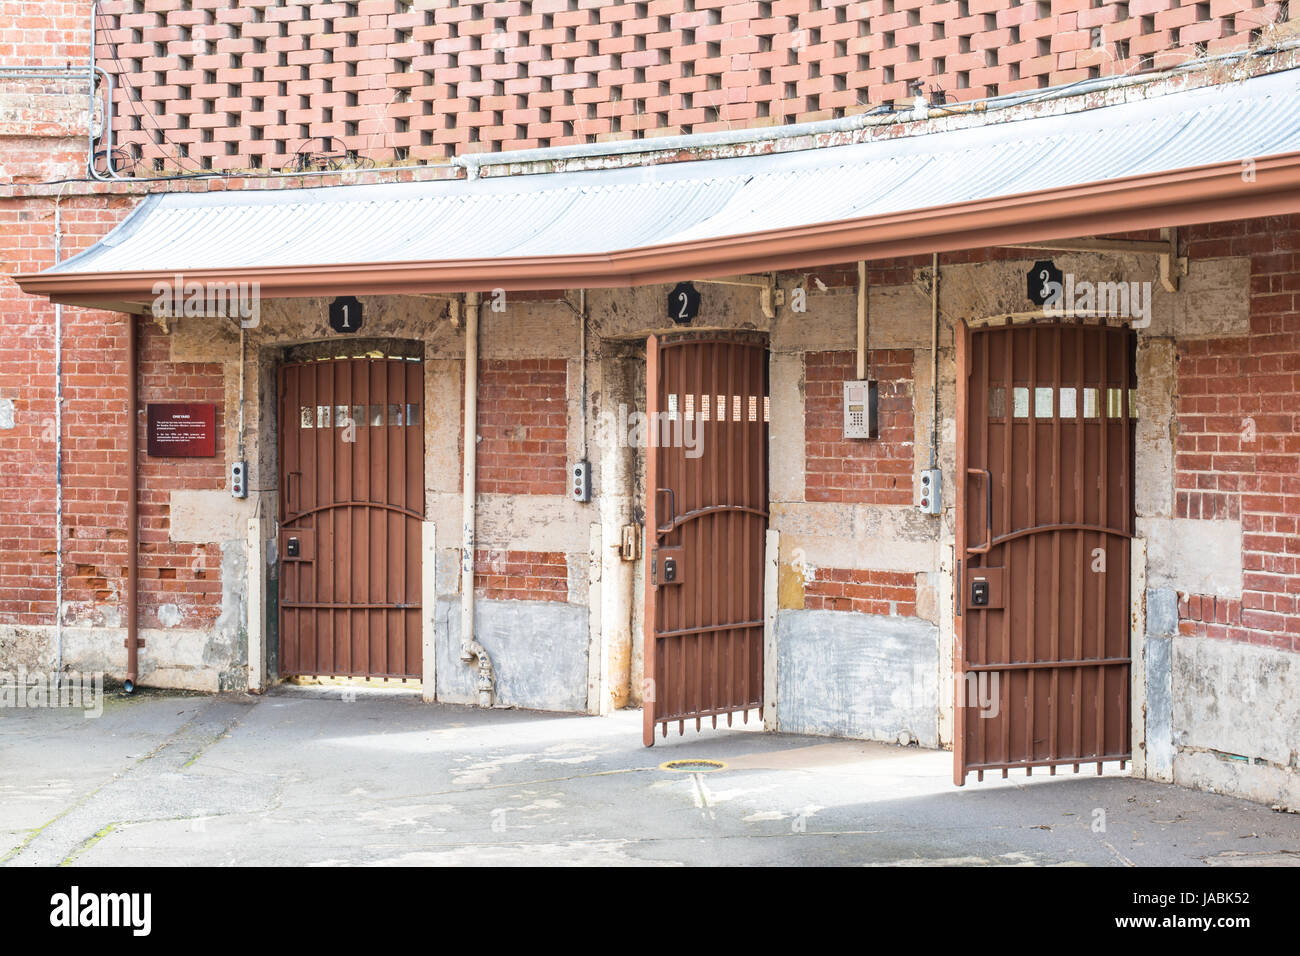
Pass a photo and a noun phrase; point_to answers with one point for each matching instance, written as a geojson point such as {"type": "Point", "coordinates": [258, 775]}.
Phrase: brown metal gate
{"type": "Point", "coordinates": [352, 498]}
{"type": "Point", "coordinates": [1045, 453]}
{"type": "Point", "coordinates": [706, 523]}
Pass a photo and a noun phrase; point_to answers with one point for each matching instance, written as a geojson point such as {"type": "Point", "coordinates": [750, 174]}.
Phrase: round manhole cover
{"type": "Point", "coordinates": [693, 766]}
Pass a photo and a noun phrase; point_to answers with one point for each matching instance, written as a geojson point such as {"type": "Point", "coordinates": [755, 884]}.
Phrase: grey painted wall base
{"type": "Point", "coordinates": [858, 675]}
{"type": "Point", "coordinates": [538, 648]}
{"type": "Point", "coordinates": [177, 658]}
{"type": "Point", "coordinates": [1236, 719]}
{"type": "Point", "coordinates": [1161, 629]}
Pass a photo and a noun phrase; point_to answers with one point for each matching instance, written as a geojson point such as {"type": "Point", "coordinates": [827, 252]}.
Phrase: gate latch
{"type": "Point", "coordinates": [291, 548]}
{"type": "Point", "coordinates": [979, 592]}
{"type": "Point", "coordinates": [666, 566]}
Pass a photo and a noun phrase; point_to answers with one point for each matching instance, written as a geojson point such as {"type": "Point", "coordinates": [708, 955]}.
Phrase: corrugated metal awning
{"type": "Point", "coordinates": [1172, 159]}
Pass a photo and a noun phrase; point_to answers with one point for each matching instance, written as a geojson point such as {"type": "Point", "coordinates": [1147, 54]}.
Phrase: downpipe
{"type": "Point", "coordinates": [470, 649]}
{"type": "Point", "coordinates": [132, 513]}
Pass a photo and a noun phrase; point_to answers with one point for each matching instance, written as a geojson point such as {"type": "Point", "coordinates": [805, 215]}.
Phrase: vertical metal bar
{"type": "Point", "coordinates": [1008, 550]}
{"type": "Point", "coordinates": [1031, 635]}
{"type": "Point", "coordinates": [397, 387]}
{"type": "Point", "coordinates": [1102, 519]}
{"type": "Point", "coordinates": [685, 613]}
{"type": "Point", "coordinates": [1129, 466]}
{"type": "Point", "coordinates": [1081, 472]}
{"type": "Point", "coordinates": [763, 503]}
{"type": "Point", "coordinates": [290, 426]}
{"type": "Point", "coordinates": [961, 502]}
{"type": "Point", "coordinates": [649, 656]}
{"type": "Point", "coordinates": [1058, 489]}
{"type": "Point", "coordinates": [361, 655]}
{"type": "Point", "coordinates": [415, 502]}
{"type": "Point", "coordinates": [732, 481]}
{"type": "Point", "coordinates": [381, 368]}
{"type": "Point", "coordinates": [982, 383]}
{"type": "Point", "coordinates": [697, 577]}
{"type": "Point", "coordinates": [746, 476]}
{"type": "Point", "coordinates": [311, 478]}
{"type": "Point", "coordinates": [341, 551]}
{"type": "Point", "coordinates": [359, 591]}
{"type": "Point", "coordinates": [716, 576]}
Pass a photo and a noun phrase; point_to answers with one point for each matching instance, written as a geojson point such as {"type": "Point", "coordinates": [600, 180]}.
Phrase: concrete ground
{"type": "Point", "coordinates": [303, 776]}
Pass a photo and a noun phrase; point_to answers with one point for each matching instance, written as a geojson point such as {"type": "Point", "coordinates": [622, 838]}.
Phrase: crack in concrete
{"type": "Point", "coordinates": [65, 848]}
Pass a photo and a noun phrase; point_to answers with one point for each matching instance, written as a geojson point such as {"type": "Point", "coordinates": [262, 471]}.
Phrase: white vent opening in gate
{"type": "Point", "coordinates": [860, 409]}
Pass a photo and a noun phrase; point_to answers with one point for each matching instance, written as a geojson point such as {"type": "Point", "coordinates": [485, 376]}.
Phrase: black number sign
{"type": "Point", "coordinates": [345, 314]}
{"type": "Point", "coordinates": [683, 303]}
{"type": "Point", "coordinates": [1044, 281]}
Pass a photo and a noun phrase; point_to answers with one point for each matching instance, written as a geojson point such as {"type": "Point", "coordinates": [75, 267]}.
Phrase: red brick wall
{"type": "Point", "coordinates": [1238, 448]}
{"type": "Point", "coordinates": [862, 591]}
{"type": "Point", "coordinates": [27, 449]}
{"type": "Point", "coordinates": [522, 418]}
{"type": "Point", "coordinates": [874, 471]}
{"type": "Point", "coordinates": [94, 443]}
{"type": "Point", "coordinates": [521, 575]}
{"type": "Point", "coordinates": [180, 573]}
{"type": "Point", "coordinates": [235, 85]}
{"type": "Point", "coordinates": [1205, 615]}
{"type": "Point", "coordinates": [94, 410]}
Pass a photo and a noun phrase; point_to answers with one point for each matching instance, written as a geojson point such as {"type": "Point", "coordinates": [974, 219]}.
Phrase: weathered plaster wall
{"type": "Point", "coordinates": [538, 649]}
{"type": "Point", "coordinates": [858, 675]}
{"type": "Point", "coordinates": [1236, 719]}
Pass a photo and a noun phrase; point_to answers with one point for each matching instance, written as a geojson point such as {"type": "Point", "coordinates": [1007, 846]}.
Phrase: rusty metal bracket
{"type": "Point", "coordinates": [771, 296]}
{"type": "Point", "coordinates": [1172, 265]}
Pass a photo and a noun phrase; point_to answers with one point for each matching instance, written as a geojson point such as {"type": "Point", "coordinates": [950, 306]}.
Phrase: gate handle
{"type": "Point", "coordinates": [288, 489]}
{"type": "Point", "coordinates": [988, 510]}
{"type": "Point", "coordinates": [672, 509]}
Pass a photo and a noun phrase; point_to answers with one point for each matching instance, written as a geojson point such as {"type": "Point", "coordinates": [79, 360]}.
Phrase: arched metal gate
{"type": "Point", "coordinates": [351, 503]}
{"type": "Point", "coordinates": [1044, 523]}
{"type": "Point", "coordinates": [706, 522]}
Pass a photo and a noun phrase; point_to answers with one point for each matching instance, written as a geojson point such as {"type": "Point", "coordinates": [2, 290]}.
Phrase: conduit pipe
{"type": "Point", "coordinates": [58, 454]}
{"type": "Point", "coordinates": [863, 291]}
{"type": "Point", "coordinates": [934, 360]}
{"type": "Point", "coordinates": [582, 370]}
{"type": "Point", "coordinates": [132, 513]}
{"type": "Point", "coordinates": [470, 649]}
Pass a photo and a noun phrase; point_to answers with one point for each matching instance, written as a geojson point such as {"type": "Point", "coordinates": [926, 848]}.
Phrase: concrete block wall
{"type": "Point", "coordinates": [205, 84]}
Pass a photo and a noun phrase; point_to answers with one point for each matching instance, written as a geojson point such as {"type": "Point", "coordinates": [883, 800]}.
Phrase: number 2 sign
{"type": "Point", "coordinates": [345, 314]}
{"type": "Point", "coordinates": [683, 303]}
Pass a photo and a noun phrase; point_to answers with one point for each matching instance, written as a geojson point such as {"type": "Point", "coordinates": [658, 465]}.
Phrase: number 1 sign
{"type": "Point", "coordinates": [345, 314]}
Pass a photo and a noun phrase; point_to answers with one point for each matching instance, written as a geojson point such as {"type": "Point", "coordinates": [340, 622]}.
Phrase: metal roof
{"type": "Point", "coordinates": [511, 220]}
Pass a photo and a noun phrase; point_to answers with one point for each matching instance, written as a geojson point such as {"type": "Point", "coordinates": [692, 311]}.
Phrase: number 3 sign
{"type": "Point", "coordinates": [345, 314]}
{"type": "Point", "coordinates": [683, 303]}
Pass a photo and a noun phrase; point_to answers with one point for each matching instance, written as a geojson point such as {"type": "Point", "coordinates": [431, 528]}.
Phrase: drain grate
{"type": "Point", "coordinates": [693, 766]}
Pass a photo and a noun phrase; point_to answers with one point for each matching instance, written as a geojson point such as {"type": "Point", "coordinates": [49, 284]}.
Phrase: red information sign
{"type": "Point", "coordinates": [182, 430]}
